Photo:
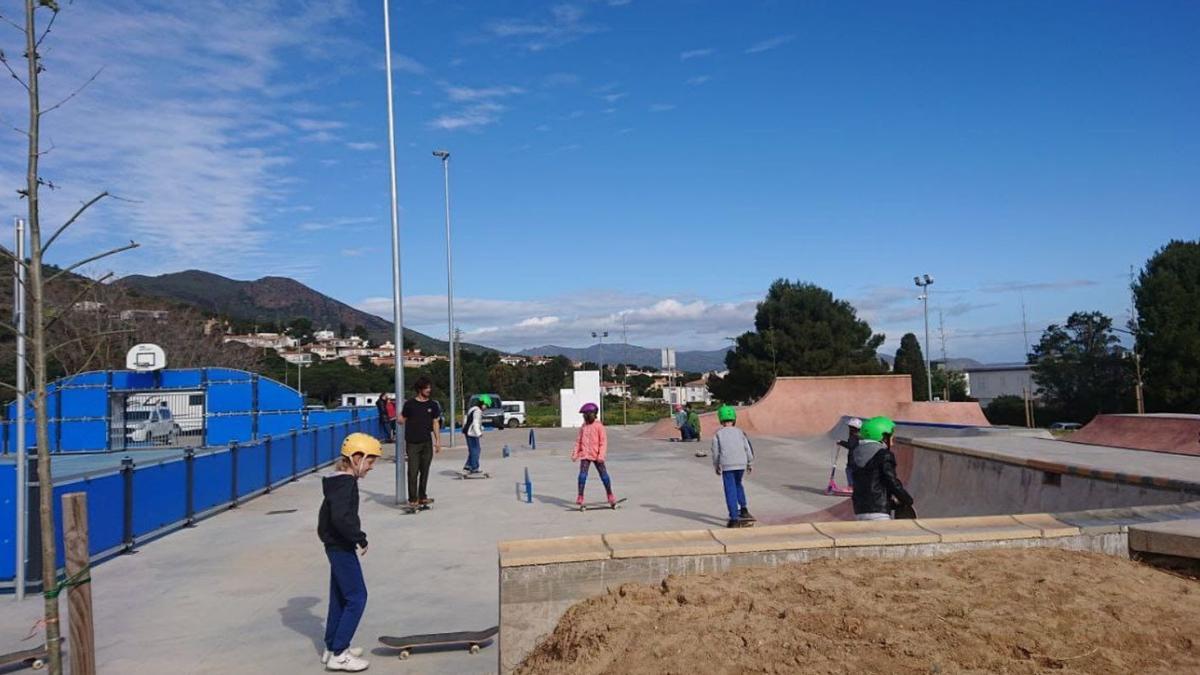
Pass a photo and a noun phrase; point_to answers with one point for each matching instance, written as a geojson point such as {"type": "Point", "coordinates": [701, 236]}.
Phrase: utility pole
{"type": "Point", "coordinates": [601, 334]}
{"type": "Point", "coordinates": [945, 365]}
{"type": "Point", "coordinates": [445, 157]}
{"type": "Point", "coordinates": [22, 543]}
{"type": "Point", "coordinates": [625, 377]}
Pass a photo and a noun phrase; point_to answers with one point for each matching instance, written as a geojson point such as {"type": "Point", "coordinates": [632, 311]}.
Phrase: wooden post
{"type": "Point", "coordinates": [82, 650]}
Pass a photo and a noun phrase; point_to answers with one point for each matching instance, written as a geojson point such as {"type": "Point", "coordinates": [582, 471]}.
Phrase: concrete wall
{"type": "Point", "coordinates": [587, 390]}
{"type": "Point", "coordinates": [541, 579]}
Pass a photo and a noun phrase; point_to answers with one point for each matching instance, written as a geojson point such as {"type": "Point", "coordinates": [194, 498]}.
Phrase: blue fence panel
{"type": "Point", "coordinates": [275, 423]}
{"type": "Point", "coordinates": [226, 429]}
{"type": "Point", "coordinates": [182, 379]}
{"type": "Point", "coordinates": [281, 459]}
{"type": "Point", "coordinates": [230, 397]}
{"type": "Point", "coordinates": [274, 396]}
{"type": "Point", "coordinates": [159, 496]}
{"type": "Point", "coordinates": [84, 402]}
{"type": "Point", "coordinates": [214, 480]}
{"type": "Point", "coordinates": [325, 445]}
{"type": "Point", "coordinates": [81, 435]}
{"type": "Point", "coordinates": [251, 468]}
{"type": "Point", "coordinates": [8, 526]}
{"type": "Point", "coordinates": [105, 510]}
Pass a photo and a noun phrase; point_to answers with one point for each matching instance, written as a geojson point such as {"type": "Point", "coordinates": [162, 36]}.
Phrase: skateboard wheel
{"type": "Point", "coordinates": [404, 654]}
{"type": "Point", "coordinates": [37, 664]}
{"type": "Point", "coordinates": [474, 649]}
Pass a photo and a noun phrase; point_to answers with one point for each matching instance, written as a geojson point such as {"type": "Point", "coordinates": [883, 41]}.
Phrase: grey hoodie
{"type": "Point", "coordinates": [863, 452]}
{"type": "Point", "coordinates": [731, 449]}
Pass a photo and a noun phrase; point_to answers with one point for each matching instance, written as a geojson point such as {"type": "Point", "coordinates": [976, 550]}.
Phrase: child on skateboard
{"type": "Point", "coordinates": [732, 455]}
{"type": "Point", "coordinates": [341, 532]}
{"type": "Point", "coordinates": [473, 430]}
{"type": "Point", "coordinates": [591, 447]}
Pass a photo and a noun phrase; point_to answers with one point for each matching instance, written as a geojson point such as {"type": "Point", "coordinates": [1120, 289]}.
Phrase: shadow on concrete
{"type": "Point", "coordinates": [387, 500]}
{"type": "Point", "coordinates": [706, 518]}
{"type": "Point", "coordinates": [812, 490]}
{"type": "Point", "coordinates": [555, 501]}
{"type": "Point", "coordinates": [298, 615]}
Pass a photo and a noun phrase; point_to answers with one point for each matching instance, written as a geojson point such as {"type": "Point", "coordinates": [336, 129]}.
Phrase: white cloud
{"type": "Point", "coordinates": [769, 44]}
{"type": "Point", "coordinates": [480, 107]}
{"type": "Point", "coordinates": [698, 80]}
{"type": "Point", "coordinates": [343, 223]}
{"type": "Point", "coordinates": [661, 107]}
{"type": "Point", "coordinates": [462, 94]}
{"type": "Point", "coordinates": [538, 322]}
{"type": "Point", "coordinates": [362, 146]}
{"type": "Point", "coordinates": [305, 124]}
{"type": "Point", "coordinates": [407, 64]}
{"type": "Point", "coordinates": [696, 53]}
{"type": "Point", "coordinates": [614, 97]}
{"type": "Point", "coordinates": [564, 24]}
{"type": "Point", "coordinates": [319, 137]}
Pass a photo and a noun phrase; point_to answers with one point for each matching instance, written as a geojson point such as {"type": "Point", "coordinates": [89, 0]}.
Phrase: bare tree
{"type": "Point", "coordinates": [40, 319]}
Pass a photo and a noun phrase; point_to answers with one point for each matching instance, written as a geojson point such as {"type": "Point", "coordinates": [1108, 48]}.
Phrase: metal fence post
{"type": "Point", "coordinates": [127, 479]}
{"type": "Point", "coordinates": [295, 466]}
{"type": "Point", "coordinates": [233, 481]}
{"type": "Point", "coordinates": [316, 454]}
{"type": "Point", "coordinates": [267, 454]}
{"type": "Point", "coordinates": [189, 464]}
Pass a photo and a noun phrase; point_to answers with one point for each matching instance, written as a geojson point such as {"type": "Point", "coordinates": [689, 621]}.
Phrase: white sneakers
{"type": "Point", "coordinates": [349, 661]}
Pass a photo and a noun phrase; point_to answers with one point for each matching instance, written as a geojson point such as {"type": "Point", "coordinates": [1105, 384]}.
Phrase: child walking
{"type": "Point", "coordinates": [340, 530]}
{"type": "Point", "coordinates": [591, 447]}
{"type": "Point", "coordinates": [732, 456]}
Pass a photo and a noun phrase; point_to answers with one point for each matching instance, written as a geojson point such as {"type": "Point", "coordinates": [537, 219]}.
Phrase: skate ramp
{"type": "Point", "coordinates": [809, 406]}
{"type": "Point", "coordinates": [1176, 434]}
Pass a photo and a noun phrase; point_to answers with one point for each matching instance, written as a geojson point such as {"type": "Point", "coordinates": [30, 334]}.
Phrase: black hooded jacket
{"type": "Point", "coordinates": [875, 482]}
{"type": "Point", "coordinates": [338, 525]}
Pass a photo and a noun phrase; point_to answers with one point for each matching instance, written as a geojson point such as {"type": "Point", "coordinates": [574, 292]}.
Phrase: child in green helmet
{"type": "Point", "coordinates": [732, 456]}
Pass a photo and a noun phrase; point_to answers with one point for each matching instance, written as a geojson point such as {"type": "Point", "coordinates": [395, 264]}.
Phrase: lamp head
{"type": "Point", "coordinates": [441, 154]}
{"type": "Point", "coordinates": [917, 280]}
{"type": "Point", "coordinates": [928, 280]}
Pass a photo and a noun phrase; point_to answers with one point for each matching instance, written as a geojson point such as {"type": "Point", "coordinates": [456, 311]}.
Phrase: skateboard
{"type": "Point", "coordinates": [472, 640]}
{"type": "Point", "coordinates": [474, 476]}
{"type": "Point", "coordinates": [415, 509]}
{"type": "Point", "coordinates": [30, 658]}
{"type": "Point", "coordinates": [588, 506]}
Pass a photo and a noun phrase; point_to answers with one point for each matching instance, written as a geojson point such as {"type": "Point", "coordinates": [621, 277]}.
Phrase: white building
{"type": "Point", "coordinates": [987, 382]}
{"type": "Point", "coordinates": [615, 389]}
{"type": "Point", "coordinates": [359, 400]}
{"type": "Point", "coordinates": [692, 392]}
{"type": "Point", "coordinates": [276, 341]}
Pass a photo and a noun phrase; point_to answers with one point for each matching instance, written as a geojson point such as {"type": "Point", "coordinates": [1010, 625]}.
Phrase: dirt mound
{"type": "Point", "coordinates": [1023, 611]}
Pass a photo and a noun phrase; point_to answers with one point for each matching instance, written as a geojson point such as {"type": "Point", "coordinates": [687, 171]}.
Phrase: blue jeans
{"type": "Point", "coordinates": [473, 450]}
{"type": "Point", "coordinates": [347, 599]}
{"type": "Point", "coordinates": [735, 494]}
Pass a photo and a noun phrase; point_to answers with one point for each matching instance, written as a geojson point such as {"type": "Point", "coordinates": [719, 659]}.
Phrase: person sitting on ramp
{"type": "Point", "coordinates": [876, 487]}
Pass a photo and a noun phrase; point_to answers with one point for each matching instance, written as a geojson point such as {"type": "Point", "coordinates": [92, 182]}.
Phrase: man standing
{"type": "Point", "coordinates": [385, 422]}
{"type": "Point", "coordinates": [421, 417]}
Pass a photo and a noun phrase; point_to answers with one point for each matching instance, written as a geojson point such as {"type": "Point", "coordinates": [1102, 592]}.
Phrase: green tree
{"type": "Point", "coordinates": [799, 329]}
{"type": "Point", "coordinates": [360, 331]}
{"type": "Point", "coordinates": [1080, 367]}
{"type": "Point", "coordinates": [1167, 297]}
{"type": "Point", "coordinates": [951, 385]}
{"type": "Point", "coordinates": [911, 361]}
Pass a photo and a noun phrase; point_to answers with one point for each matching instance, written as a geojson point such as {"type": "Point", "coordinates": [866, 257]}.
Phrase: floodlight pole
{"type": "Point", "coordinates": [924, 282]}
{"type": "Point", "coordinates": [445, 157]}
{"type": "Point", "coordinates": [22, 461]}
{"type": "Point", "coordinates": [397, 310]}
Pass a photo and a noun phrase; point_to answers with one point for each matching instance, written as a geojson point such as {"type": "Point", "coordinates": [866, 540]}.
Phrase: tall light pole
{"type": "Point", "coordinates": [22, 462]}
{"type": "Point", "coordinates": [444, 155]}
{"type": "Point", "coordinates": [1137, 364]}
{"type": "Point", "coordinates": [923, 282]}
{"type": "Point", "coordinates": [397, 311]}
{"type": "Point", "coordinates": [601, 334]}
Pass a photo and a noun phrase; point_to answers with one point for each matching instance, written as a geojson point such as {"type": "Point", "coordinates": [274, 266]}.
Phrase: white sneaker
{"type": "Point", "coordinates": [354, 651]}
{"type": "Point", "coordinates": [347, 662]}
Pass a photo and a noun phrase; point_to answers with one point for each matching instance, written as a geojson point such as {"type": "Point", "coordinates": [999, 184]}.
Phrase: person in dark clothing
{"type": "Point", "coordinates": [340, 530]}
{"type": "Point", "coordinates": [853, 427]}
{"type": "Point", "coordinates": [421, 417]}
{"type": "Point", "coordinates": [385, 424]}
{"type": "Point", "coordinates": [876, 488]}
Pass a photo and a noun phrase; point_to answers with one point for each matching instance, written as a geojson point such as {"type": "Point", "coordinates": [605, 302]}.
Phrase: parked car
{"type": "Point", "coordinates": [148, 423]}
{"type": "Point", "coordinates": [513, 414]}
{"type": "Point", "coordinates": [1065, 426]}
{"type": "Point", "coordinates": [502, 414]}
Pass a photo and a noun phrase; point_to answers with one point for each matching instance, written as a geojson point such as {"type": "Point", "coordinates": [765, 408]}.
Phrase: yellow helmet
{"type": "Point", "coordinates": [360, 443]}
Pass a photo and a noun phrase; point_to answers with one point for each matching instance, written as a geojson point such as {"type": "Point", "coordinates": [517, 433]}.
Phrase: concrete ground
{"type": "Point", "coordinates": [245, 591]}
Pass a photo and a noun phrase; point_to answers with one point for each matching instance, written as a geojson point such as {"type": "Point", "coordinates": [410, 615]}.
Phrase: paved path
{"type": "Point", "coordinates": [245, 591]}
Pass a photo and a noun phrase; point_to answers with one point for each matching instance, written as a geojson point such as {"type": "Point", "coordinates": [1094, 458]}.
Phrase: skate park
{"type": "Point", "coordinates": [238, 588]}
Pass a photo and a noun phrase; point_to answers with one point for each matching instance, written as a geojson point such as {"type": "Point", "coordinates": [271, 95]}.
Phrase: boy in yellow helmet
{"type": "Point", "coordinates": [341, 532]}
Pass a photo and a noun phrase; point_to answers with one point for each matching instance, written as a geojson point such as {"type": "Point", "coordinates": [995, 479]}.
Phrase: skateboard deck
{"type": "Point", "coordinates": [473, 641]}
{"type": "Point", "coordinates": [416, 509]}
{"type": "Point", "coordinates": [588, 506]}
{"type": "Point", "coordinates": [30, 658]}
{"type": "Point", "coordinates": [474, 476]}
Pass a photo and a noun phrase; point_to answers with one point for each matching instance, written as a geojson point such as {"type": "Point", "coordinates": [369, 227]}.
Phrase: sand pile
{"type": "Point", "coordinates": [1025, 611]}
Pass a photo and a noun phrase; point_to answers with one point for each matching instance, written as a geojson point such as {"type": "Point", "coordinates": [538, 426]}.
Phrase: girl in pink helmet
{"type": "Point", "coordinates": [591, 447]}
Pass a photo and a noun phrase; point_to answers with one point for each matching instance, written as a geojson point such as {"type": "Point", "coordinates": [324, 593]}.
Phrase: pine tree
{"type": "Point", "coordinates": [911, 361]}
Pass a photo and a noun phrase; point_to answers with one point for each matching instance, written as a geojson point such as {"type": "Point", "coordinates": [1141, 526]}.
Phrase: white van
{"type": "Point", "coordinates": [514, 413]}
{"type": "Point", "coordinates": [148, 423]}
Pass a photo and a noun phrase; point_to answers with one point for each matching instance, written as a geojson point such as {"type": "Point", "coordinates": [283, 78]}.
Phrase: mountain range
{"type": "Point", "coordinates": [271, 300]}
{"type": "Point", "coordinates": [691, 361]}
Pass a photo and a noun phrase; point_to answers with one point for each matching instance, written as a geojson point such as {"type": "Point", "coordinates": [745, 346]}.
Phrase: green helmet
{"type": "Point", "coordinates": [876, 428]}
{"type": "Point", "coordinates": [726, 413]}
{"type": "Point", "coordinates": [485, 401]}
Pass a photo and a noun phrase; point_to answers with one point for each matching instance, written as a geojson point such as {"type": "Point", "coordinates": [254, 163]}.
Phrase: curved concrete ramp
{"type": "Point", "coordinates": [1178, 434]}
{"type": "Point", "coordinates": [810, 406]}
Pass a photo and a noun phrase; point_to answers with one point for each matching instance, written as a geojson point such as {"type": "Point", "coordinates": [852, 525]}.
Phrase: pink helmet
{"type": "Point", "coordinates": [589, 408]}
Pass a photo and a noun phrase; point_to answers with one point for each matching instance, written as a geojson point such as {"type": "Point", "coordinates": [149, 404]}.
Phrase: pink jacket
{"type": "Point", "coordinates": [592, 443]}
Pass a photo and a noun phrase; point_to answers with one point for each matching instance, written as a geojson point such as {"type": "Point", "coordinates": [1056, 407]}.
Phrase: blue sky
{"type": "Point", "coordinates": [657, 162]}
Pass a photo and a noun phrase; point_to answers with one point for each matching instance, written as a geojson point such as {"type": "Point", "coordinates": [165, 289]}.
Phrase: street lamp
{"type": "Point", "coordinates": [444, 155]}
{"type": "Point", "coordinates": [923, 282]}
{"type": "Point", "coordinates": [1137, 365]}
{"type": "Point", "coordinates": [397, 309]}
{"type": "Point", "coordinates": [601, 334]}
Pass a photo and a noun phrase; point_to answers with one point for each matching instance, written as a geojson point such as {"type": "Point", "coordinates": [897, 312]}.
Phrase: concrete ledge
{"type": "Point", "coordinates": [772, 538]}
{"type": "Point", "coordinates": [559, 550]}
{"type": "Point", "coordinates": [978, 528]}
{"type": "Point", "coordinates": [1178, 538]}
{"type": "Point", "coordinates": [876, 532]}
{"type": "Point", "coordinates": [1047, 525]}
{"type": "Point", "coordinates": [654, 544]}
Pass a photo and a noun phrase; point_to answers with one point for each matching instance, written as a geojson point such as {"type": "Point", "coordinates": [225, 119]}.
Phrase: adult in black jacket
{"type": "Point", "coordinates": [877, 490]}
